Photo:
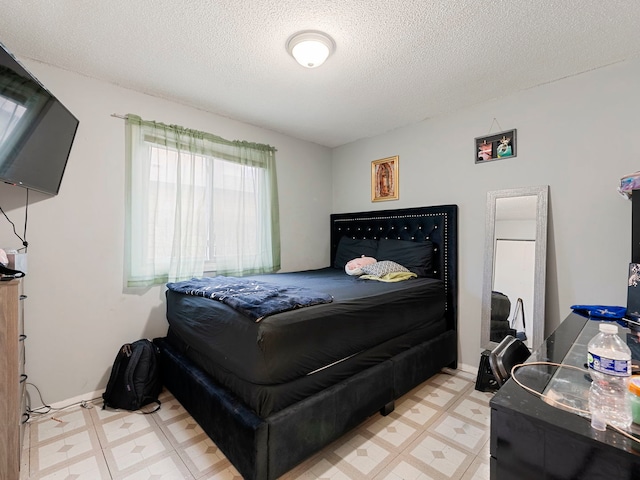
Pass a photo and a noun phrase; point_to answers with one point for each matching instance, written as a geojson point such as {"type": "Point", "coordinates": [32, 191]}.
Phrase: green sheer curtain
{"type": "Point", "coordinates": [197, 203]}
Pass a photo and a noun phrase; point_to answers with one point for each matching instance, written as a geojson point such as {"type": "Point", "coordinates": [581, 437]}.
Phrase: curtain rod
{"type": "Point", "coordinates": [218, 139]}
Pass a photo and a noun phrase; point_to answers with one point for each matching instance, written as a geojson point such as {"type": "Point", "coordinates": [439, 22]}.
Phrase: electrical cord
{"type": "Point", "coordinates": [49, 408]}
{"type": "Point", "coordinates": [83, 403]}
{"type": "Point", "coordinates": [551, 401]}
{"type": "Point", "coordinates": [13, 225]}
{"type": "Point", "coordinates": [541, 395]}
{"type": "Point", "coordinates": [25, 244]}
{"type": "Point", "coordinates": [23, 239]}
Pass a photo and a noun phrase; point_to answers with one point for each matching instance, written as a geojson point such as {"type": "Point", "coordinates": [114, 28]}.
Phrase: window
{"type": "Point", "coordinates": [198, 203]}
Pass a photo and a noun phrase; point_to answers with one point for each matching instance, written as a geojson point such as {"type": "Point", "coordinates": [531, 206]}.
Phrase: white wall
{"type": "Point", "coordinates": [77, 313]}
{"type": "Point", "coordinates": [578, 135]}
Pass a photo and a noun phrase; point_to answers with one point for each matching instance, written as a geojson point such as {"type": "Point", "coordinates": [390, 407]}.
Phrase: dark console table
{"type": "Point", "coordinates": [532, 439]}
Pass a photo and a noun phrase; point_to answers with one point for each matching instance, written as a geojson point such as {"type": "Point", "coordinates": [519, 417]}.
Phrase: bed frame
{"type": "Point", "coordinates": [266, 448]}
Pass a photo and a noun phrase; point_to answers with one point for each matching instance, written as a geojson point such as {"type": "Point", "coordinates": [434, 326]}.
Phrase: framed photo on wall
{"type": "Point", "coordinates": [495, 147]}
{"type": "Point", "coordinates": [384, 179]}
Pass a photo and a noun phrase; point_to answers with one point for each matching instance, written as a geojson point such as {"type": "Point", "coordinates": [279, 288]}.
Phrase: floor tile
{"type": "Point", "coordinates": [392, 430]}
{"type": "Point", "coordinates": [451, 382]}
{"type": "Point", "coordinates": [435, 454]}
{"type": "Point", "coordinates": [405, 471]}
{"type": "Point", "coordinates": [473, 411]}
{"type": "Point", "coordinates": [58, 425]}
{"type": "Point", "coordinates": [479, 470]}
{"type": "Point", "coordinates": [60, 451]}
{"type": "Point", "coordinates": [436, 395]}
{"type": "Point", "coordinates": [417, 412]}
{"type": "Point", "coordinates": [362, 453]}
{"type": "Point", "coordinates": [204, 458]}
{"type": "Point", "coordinates": [158, 467]}
{"type": "Point", "coordinates": [460, 432]}
{"type": "Point", "coordinates": [438, 431]}
{"type": "Point", "coordinates": [90, 467]}
{"type": "Point", "coordinates": [136, 450]}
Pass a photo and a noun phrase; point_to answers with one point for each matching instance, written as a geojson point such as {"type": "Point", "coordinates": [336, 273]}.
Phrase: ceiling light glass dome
{"type": "Point", "coordinates": [310, 48]}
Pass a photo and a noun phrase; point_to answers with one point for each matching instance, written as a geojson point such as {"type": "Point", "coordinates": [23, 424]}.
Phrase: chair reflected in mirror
{"type": "Point", "coordinates": [500, 309]}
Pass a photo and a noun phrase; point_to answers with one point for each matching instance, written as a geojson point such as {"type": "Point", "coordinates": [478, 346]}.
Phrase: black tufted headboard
{"type": "Point", "coordinates": [438, 224]}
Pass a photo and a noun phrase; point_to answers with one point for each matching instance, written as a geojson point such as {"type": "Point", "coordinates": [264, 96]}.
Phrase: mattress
{"type": "Point", "coordinates": [268, 399]}
{"type": "Point", "coordinates": [289, 345]}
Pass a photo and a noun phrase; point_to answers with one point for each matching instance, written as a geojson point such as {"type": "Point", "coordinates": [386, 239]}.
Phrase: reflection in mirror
{"type": "Point", "coordinates": [515, 261]}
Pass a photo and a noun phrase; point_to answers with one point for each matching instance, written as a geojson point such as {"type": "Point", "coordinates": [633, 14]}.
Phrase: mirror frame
{"type": "Point", "coordinates": [538, 320]}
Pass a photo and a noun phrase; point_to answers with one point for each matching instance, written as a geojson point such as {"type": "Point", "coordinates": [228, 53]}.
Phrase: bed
{"type": "Point", "coordinates": [272, 392]}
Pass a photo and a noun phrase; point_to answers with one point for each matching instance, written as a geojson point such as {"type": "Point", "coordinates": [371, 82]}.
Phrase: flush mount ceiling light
{"type": "Point", "coordinates": [310, 48]}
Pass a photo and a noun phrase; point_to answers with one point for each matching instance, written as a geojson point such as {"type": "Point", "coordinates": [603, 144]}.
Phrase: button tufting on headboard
{"type": "Point", "coordinates": [436, 224]}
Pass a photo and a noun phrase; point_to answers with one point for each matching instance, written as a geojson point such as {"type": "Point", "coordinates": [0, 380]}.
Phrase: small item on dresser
{"type": "Point", "coordinates": [12, 264]}
{"type": "Point", "coordinates": [17, 261]}
{"type": "Point", "coordinates": [9, 274]}
{"type": "Point", "coordinates": [609, 360]}
{"type": "Point", "coordinates": [600, 312]}
{"type": "Point", "coordinates": [634, 390]}
{"type": "Point", "coordinates": [628, 184]}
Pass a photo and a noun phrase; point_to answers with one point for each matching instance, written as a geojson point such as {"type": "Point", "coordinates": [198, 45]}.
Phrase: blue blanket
{"type": "Point", "coordinates": [252, 298]}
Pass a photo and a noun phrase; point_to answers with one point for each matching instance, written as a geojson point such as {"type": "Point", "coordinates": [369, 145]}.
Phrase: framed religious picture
{"type": "Point", "coordinates": [384, 179]}
{"type": "Point", "coordinates": [495, 147]}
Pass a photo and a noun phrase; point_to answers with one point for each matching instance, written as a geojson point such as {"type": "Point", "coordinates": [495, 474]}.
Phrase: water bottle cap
{"type": "Point", "coordinates": [608, 328]}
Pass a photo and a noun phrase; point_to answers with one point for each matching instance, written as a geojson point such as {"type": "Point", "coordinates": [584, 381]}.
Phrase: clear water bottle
{"type": "Point", "coordinates": [609, 360]}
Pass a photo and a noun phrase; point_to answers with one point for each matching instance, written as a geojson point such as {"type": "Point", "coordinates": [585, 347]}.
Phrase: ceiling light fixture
{"type": "Point", "coordinates": [310, 48]}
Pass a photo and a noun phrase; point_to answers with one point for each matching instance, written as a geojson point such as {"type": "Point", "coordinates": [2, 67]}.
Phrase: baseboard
{"type": "Point", "coordinates": [95, 396]}
{"type": "Point", "coordinates": [468, 368]}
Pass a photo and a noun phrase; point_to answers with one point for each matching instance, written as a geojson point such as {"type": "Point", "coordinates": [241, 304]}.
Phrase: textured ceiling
{"type": "Point", "coordinates": [397, 61]}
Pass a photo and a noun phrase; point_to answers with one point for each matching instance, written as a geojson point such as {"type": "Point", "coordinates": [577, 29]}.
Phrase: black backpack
{"type": "Point", "coordinates": [135, 377]}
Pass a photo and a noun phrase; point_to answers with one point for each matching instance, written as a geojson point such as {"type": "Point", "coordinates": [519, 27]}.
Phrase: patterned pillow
{"type": "Point", "coordinates": [416, 256]}
{"type": "Point", "coordinates": [380, 269]}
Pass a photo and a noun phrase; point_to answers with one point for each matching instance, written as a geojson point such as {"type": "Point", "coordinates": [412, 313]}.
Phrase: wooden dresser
{"type": "Point", "coordinates": [12, 379]}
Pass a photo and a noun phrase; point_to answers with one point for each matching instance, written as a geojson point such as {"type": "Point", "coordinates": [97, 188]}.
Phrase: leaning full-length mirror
{"type": "Point", "coordinates": [513, 294]}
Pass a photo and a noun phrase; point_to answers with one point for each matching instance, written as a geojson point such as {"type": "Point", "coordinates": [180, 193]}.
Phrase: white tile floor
{"type": "Point", "coordinates": [440, 430]}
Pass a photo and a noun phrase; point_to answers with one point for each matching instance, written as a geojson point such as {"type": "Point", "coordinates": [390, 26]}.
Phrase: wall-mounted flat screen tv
{"type": "Point", "coordinates": [36, 130]}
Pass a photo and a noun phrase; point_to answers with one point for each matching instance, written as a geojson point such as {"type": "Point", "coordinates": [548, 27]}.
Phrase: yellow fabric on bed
{"type": "Point", "coordinates": [391, 277]}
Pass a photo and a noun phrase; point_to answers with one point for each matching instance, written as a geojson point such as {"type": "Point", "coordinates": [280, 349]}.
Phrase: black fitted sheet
{"type": "Point", "coordinates": [268, 399]}
{"type": "Point", "coordinates": [284, 347]}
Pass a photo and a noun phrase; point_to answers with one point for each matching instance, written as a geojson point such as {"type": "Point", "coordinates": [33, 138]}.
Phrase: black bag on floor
{"type": "Point", "coordinates": [135, 377]}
